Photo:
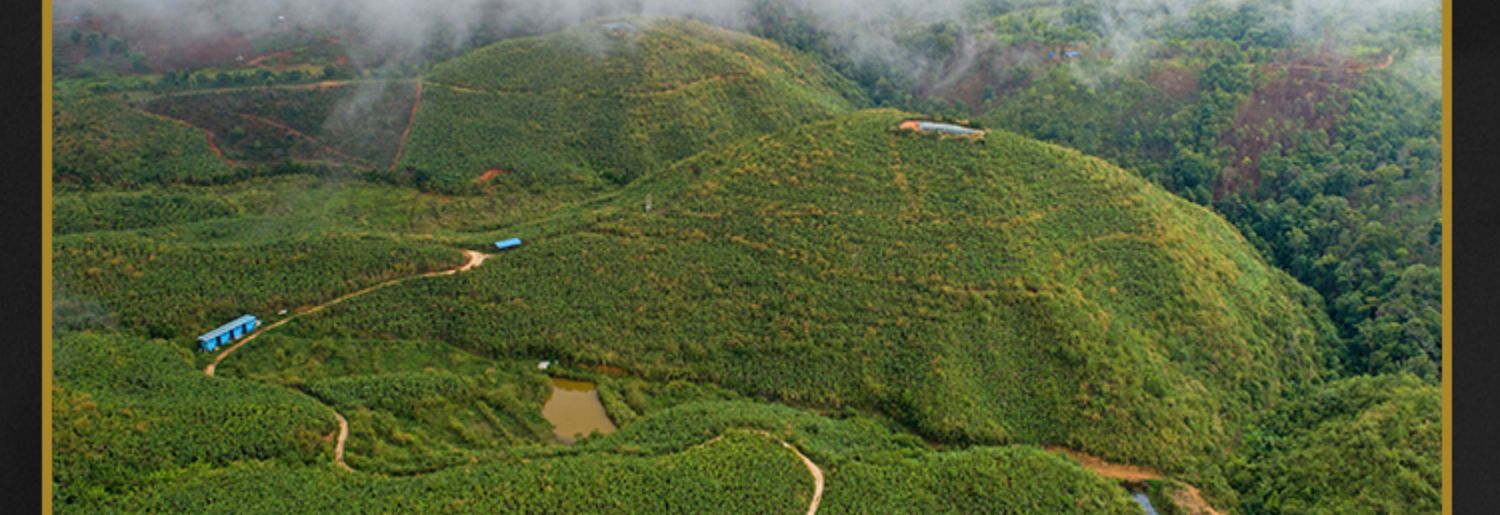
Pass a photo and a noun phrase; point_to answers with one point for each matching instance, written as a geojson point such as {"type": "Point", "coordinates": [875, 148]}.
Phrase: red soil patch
{"type": "Point", "coordinates": [1300, 94]}
{"type": "Point", "coordinates": [268, 56]}
{"type": "Point", "coordinates": [1187, 498]}
{"type": "Point", "coordinates": [490, 174]}
{"type": "Point", "coordinates": [209, 136]}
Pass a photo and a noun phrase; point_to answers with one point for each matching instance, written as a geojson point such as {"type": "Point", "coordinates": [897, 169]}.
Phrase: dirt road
{"type": "Point", "coordinates": [474, 259]}
{"type": "Point", "coordinates": [1187, 498]}
{"type": "Point", "coordinates": [338, 445]}
{"type": "Point", "coordinates": [817, 474]}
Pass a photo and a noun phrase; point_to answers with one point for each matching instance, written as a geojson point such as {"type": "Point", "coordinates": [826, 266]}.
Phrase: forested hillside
{"type": "Point", "coordinates": [599, 104]}
{"type": "Point", "coordinates": [1183, 256]}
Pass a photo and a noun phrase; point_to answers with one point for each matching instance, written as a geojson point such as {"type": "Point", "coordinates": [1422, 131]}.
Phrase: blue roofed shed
{"type": "Point", "coordinates": [229, 332]}
{"type": "Point", "coordinates": [508, 244]}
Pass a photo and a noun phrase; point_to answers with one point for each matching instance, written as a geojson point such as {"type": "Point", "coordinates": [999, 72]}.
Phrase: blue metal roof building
{"type": "Point", "coordinates": [229, 332]}
{"type": "Point", "coordinates": [508, 244]}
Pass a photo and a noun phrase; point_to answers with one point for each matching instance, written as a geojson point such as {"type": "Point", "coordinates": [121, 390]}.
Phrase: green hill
{"type": "Point", "coordinates": [597, 105]}
{"type": "Point", "coordinates": [986, 291]}
{"type": "Point", "coordinates": [102, 141]}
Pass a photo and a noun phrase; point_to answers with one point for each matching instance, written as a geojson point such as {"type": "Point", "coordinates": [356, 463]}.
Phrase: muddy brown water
{"type": "Point", "coordinates": [574, 409]}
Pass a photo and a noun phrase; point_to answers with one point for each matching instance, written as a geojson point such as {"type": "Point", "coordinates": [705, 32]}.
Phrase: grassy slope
{"type": "Point", "coordinates": [995, 291]}
{"type": "Point", "coordinates": [582, 109]}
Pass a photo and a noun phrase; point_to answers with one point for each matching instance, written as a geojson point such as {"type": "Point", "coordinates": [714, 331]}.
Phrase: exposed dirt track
{"type": "Point", "coordinates": [474, 259]}
{"type": "Point", "coordinates": [338, 445]}
{"type": "Point", "coordinates": [817, 474]}
{"type": "Point", "coordinates": [1187, 498]}
{"type": "Point", "coordinates": [812, 468]}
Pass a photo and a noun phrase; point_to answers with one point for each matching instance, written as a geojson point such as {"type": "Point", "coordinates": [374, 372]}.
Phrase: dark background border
{"type": "Point", "coordinates": [20, 277]}
{"type": "Point", "coordinates": [1476, 258]}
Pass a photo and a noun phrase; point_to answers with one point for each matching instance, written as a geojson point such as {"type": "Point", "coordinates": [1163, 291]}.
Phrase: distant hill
{"type": "Point", "coordinates": [980, 290]}
{"type": "Point", "coordinates": [597, 105]}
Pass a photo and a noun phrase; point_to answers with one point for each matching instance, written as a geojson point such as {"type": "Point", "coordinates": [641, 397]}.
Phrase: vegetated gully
{"type": "Point", "coordinates": [474, 259]}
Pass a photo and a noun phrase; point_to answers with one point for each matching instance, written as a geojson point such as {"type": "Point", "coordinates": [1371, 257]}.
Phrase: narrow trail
{"type": "Point", "coordinates": [1187, 498]}
{"type": "Point", "coordinates": [405, 133]}
{"type": "Point", "coordinates": [812, 468]}
{"type": "Point", "coordinates": [474, 259]}
{"type": "Point", "coordinates": [338, 445]}
{"type": "Point", "coordinates": [817, 474]}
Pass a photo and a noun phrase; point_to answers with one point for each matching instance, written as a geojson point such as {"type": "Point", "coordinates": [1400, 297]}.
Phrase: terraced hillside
{"type": "Point", "coordinates": [984, 291]}
{"type": "Point", "coordinates": [597, 105]}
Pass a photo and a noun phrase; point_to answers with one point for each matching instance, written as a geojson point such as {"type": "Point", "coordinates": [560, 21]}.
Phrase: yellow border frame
{"type": "Point", "coordinates": [46, 256]}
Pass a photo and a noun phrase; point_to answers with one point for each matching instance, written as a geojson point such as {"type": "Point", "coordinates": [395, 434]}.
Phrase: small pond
{"type": "Point", "coordinates": [574, 410]}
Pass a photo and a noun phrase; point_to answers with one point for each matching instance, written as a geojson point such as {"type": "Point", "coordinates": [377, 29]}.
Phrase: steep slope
{"type": "Point", "coordinates": [980, 290]}
{"type": "Point", "coordinates": [598, 104]}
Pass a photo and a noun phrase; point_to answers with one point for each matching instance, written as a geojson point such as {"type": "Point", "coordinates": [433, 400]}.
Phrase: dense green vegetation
{"type": "Point", "coordinates": [87, 212]}
{"type": "Point", "coordinates": [1359, 445]}
{"type": "Point", "coordinates": [738, 258]}
{"type": "Point", "coordinates": [178, 282]}
{"type": "Point", "coordinates": [1328, 162]}
{"type": "Point", "coordinates": [100, 140]}
{"type": "Point", "coordinates": [589, 108]}
{"type": "Point", "coordinates": [412, 406]}
{"type": "Point", "coordinates": [126, 408]}
{"type": "Point", "coordinates": [823, 266]}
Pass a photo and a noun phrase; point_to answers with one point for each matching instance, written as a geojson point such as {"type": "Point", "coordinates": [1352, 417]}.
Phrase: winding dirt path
{"type": "Point", "coordinates": [1187, 498]}
{"type": "Point", "coordinates": [817, 474]}
{"type": "Point", "coordinates": [812, 468]}
{"type": "Point", "coordinates": [474, 259]}
{"type": "Point", "coordinates": [338, 445]}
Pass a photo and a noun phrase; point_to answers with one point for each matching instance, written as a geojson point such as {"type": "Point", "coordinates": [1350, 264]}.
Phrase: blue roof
{"type": "Point", "coordinates": [505, 244]}
{"type": "Point", "coordinates": [218, 331]}
{"type": "Point", "coordinates": [946, 127]}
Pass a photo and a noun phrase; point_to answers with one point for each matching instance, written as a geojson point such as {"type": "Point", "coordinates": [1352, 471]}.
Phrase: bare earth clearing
{"type": "Point", "coordinates": [1186, 498]}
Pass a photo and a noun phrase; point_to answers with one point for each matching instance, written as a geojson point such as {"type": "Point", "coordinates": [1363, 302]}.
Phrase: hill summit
{"type": "Point", "coordinates": [598, 104]}
{"type": "Point", "coordinates": [982, 289]}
